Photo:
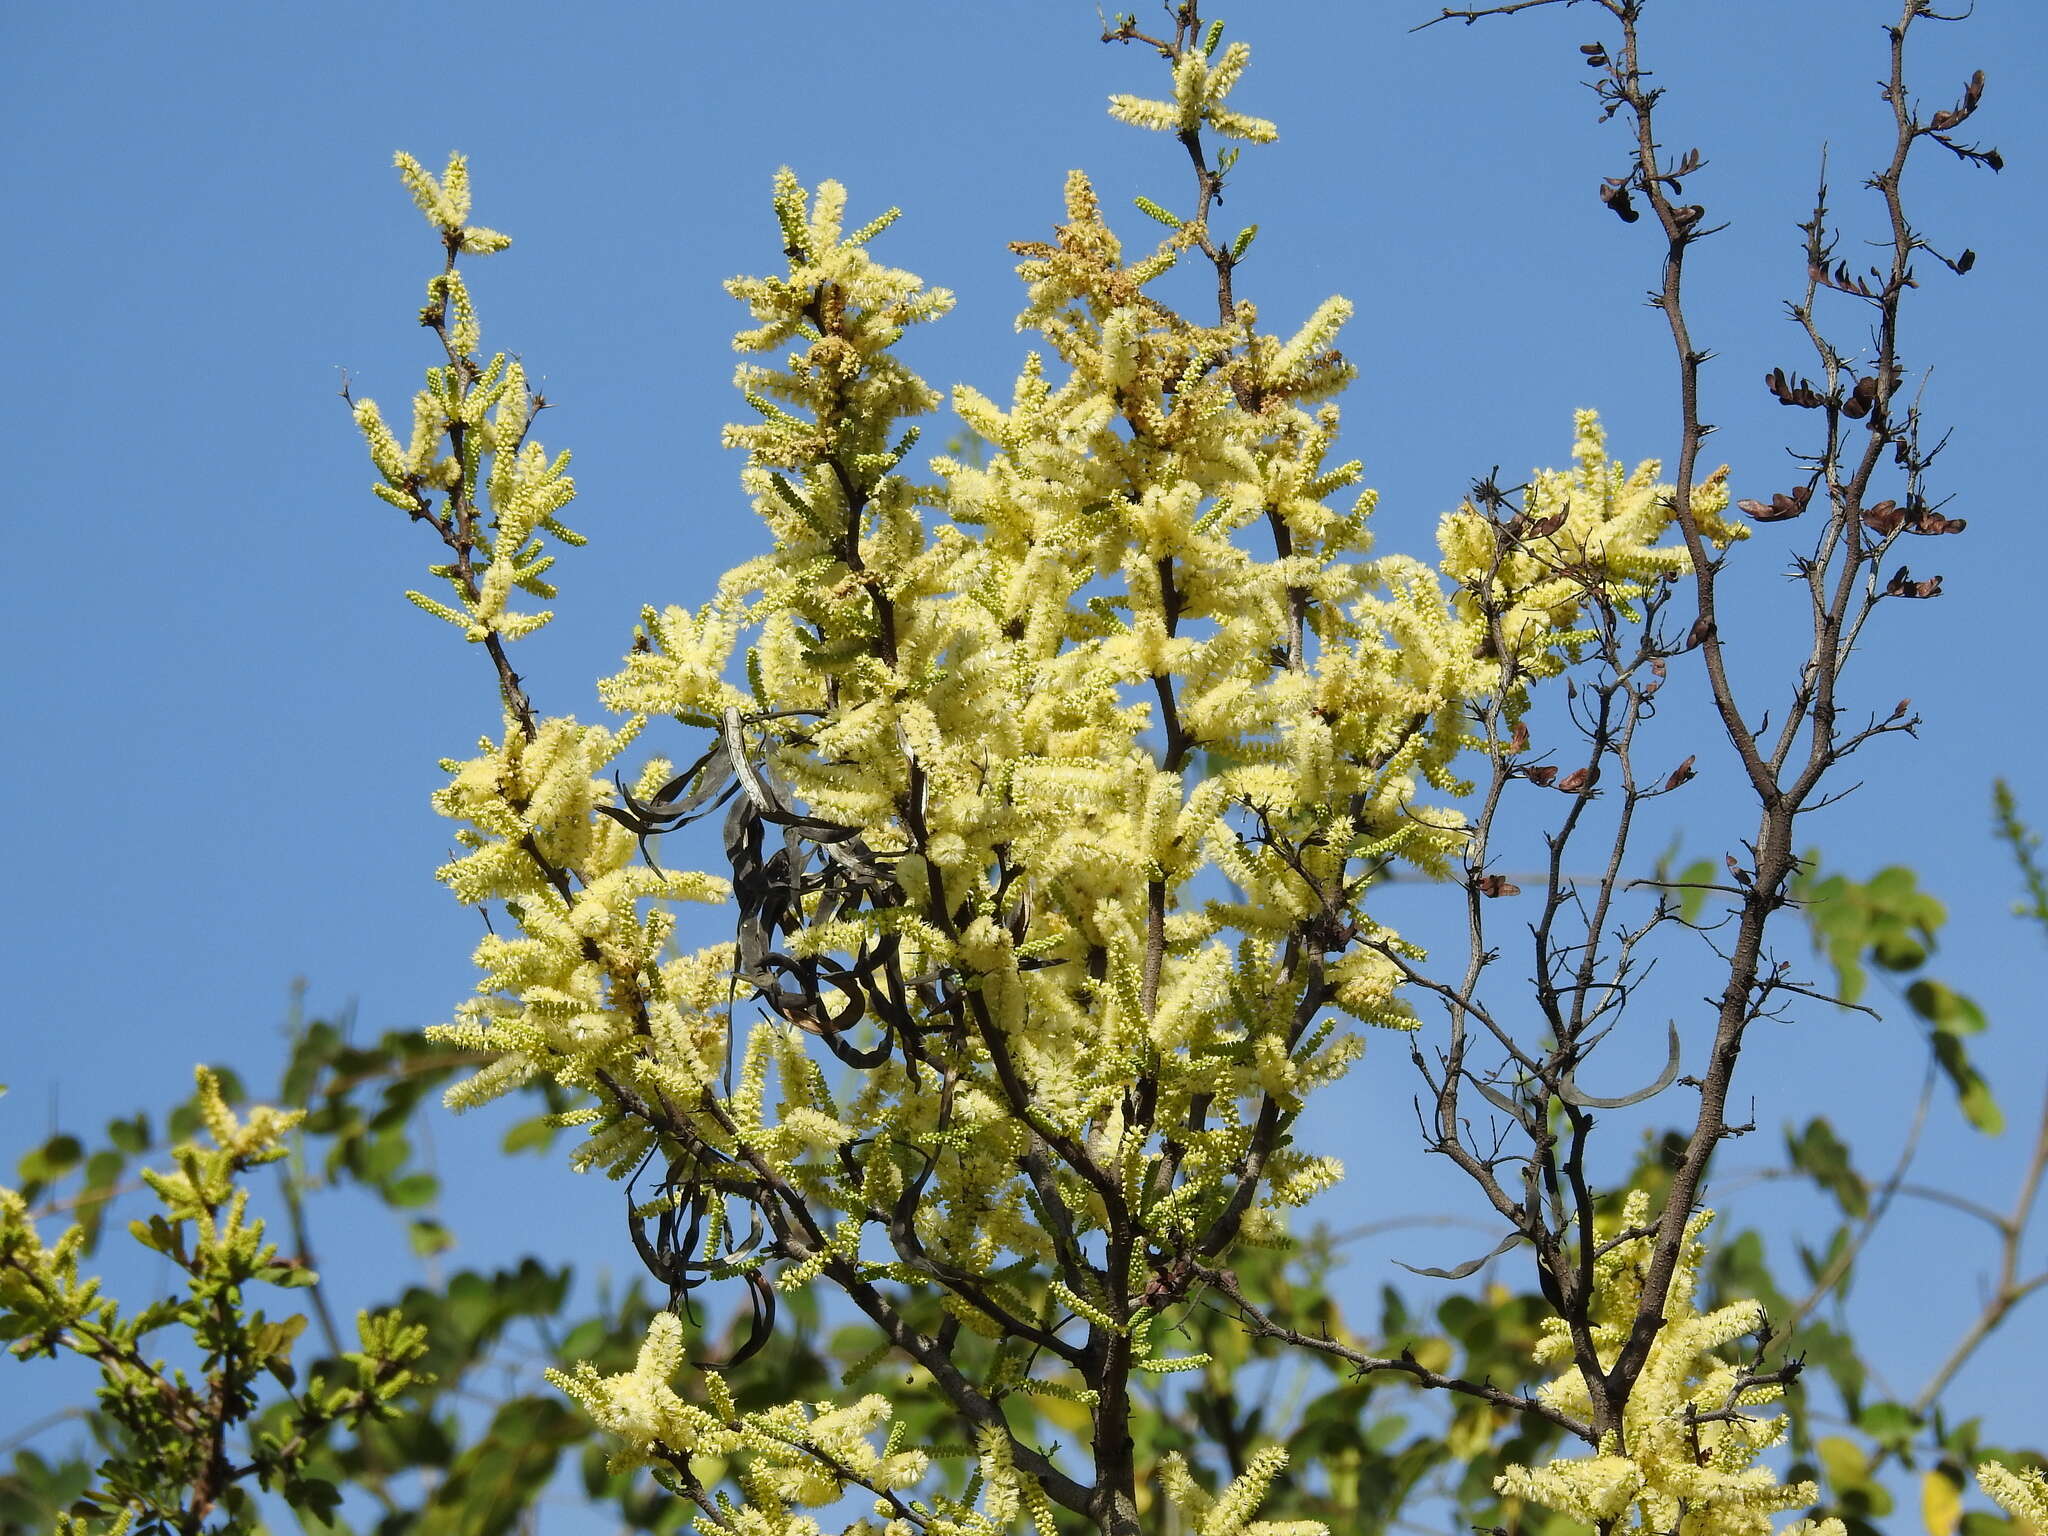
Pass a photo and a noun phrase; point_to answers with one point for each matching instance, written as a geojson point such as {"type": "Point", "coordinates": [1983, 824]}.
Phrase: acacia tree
{"type": "Point", "coordinates": [1061, 789]}
{"type": "Point", "coordinates": [1074, 1078]}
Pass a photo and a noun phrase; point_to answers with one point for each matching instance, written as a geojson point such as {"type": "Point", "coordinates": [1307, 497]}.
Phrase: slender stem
{"type": "Point", "coordinates": [2011, 1288]}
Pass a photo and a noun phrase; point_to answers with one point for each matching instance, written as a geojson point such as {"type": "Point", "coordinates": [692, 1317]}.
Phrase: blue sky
{"type": "Point", "coordinates": [225, 717]}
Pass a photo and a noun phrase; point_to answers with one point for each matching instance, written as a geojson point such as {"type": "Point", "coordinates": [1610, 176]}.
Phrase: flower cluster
{"type": "Point", "coordinates": [1200, 82]}
{"type": "Point", "coordinates": [2022, 1494]}
{"type": "Point", "coordinates": [1685, 1457]}
{"type": "Point", "coordinates": [802, 1455]}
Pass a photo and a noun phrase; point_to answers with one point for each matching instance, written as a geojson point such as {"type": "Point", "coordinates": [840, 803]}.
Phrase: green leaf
{"type": "Point", "coordinates": [52, 1160]}
{"type": "Point", "coordinates": [1961, 1441]}
{"type": "Point", "coordinates": [1891, 1425]}
{"type": "Point", "coordinates": [1821, 1155]}
{"type": "Point", "coordinates": [1940, 1004]}
{"type": "Point", "coordinates": [377, 1157]}
{"type": "Point", "coordinates": [34, 1491]}
{"type": "Point", "coordinates": [1383, 1433]}
{"type": "Point", "coordinates": [274, 1341]}
{"type": "Point", "coordinates": [1695, 876]}
{"type": "Point", "coordinates": [1818, 1264]}
{"type": "Point", "coordinates": [585, 1339]}
{"type": "Point", "coordinates": [313, 1496]}
{"type": "Point", "coordinates": [310, 1053]}
{"type": "Point", "coordinates": [415, 1189]}
{"type": "Point", "coordinates": [102, 1173]}
{"type": "Point", "coordinates": [492, 1483]}
{"type": "Point", "coordinates": [1973, 1094]}
{"type": "Point", "coordinates": [1836, 1354]}
{"type": "Point", "coordinates": [534, 1135]}
{"type": "Point", "coordinates": [157, 1233]}
{"type": "Point", "coordinates": [1887, 920]}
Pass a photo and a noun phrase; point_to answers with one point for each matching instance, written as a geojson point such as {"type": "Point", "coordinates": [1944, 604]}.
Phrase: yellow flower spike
{"type": "Point", "coordinates": [455, 191]}
{"type": "Point", "coordinates": [1671, 1461]}
{"type": "Point", "coordinates": [213, 1109]}
{"type": "Point", "coordinates": [429, 194]}
{"type": "Point", "coordinates": [2022, 1494]}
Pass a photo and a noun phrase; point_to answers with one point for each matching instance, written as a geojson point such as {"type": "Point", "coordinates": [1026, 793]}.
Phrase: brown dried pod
{"type": "Point", "coordinates": [1782, 506]}
{"type": "Point", "coordinates": [1922, 519]}
{"type": "Point", "coordinates": [1579, 781]}
{"type": "Point", "coordinates": [1542, 774]}
{"type": "Point", "coordinates": [1614, 193]}
{"type": "Point", "coordinates": [1696, 637]}
{"type": "Point", "coordinates": [1949, 117]}
{"type": "Point", "coordinates": [1884, 519]}
{"type": "Point", "coordinates": [1787, 392]}
{"type": "Point", "coordinates": [1681, 773]}
{"type": "Point", "coordinates": [1518, 739]}
{"type": "Point", "coordinates": [1496, 885]}
{"type": "Point", "coordinates": [1903, 585]}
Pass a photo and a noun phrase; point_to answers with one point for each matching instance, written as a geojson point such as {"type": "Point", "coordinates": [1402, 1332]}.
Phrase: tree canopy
{"type": "Point", "coordinates": [1059, 793]}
